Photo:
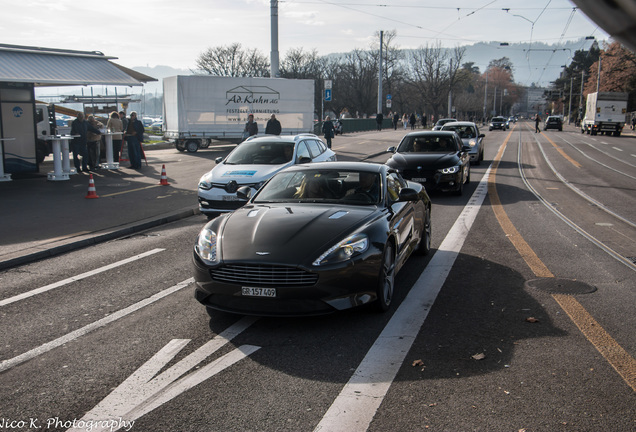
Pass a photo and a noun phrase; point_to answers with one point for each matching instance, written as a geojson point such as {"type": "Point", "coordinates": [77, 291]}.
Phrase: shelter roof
{"type": "Point", "coordinates": [57, 67]}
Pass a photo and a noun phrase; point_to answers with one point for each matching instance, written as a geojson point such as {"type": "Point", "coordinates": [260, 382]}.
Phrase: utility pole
{"type": "Point", "coordinates": [275, 73]}
{"type": "Point", "coordinates": [380, 75]}
{"type": "Point", "coordinates": [485, 98]}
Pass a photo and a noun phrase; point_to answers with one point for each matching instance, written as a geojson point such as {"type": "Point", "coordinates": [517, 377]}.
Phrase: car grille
{"type": "Point", "coordinates": [263, 275]}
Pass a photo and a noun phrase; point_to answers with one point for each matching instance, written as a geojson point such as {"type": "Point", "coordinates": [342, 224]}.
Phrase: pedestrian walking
{"type": "Point", "coordinates": [396, 119]}
{"type": "Point", "coordinates": [537, 120]}
{"type": "Point", "coordinates": [134, 137]}
{"type": "Point", "coordinates": [328, 130]}
{"type": "Point", "coordinates": [412, 121]}
{"type": "Point", "coordinates": [405, 121]}
{"type": "Point", "coordinates": [273, 126]}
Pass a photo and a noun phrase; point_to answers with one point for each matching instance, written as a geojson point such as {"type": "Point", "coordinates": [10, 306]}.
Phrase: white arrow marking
{"type": "Point", "coordinates": [141, 393]}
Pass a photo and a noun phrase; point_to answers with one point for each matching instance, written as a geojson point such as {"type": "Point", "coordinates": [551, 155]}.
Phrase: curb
{"type": "Point", "coordinates": [74, 243]}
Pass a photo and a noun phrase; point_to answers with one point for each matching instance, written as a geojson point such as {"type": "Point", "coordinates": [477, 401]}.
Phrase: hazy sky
{"type": "Point", "coordinates": [174, 33]}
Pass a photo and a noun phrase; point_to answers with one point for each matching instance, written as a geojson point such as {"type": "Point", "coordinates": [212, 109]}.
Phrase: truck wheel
{"type": "Point", "coordinates": [617, 133]}
{"type": "Point", "coordinates": [192, 146]}
{"type": "Point", "coordinates": [179, 147]}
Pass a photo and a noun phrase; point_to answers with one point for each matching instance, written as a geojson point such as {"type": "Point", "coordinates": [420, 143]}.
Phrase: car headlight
{"type": "Point", "coordinates": [205, 185]}
{"type": "Point", "coordinates": [346, 249]}
{"type": "Point", "coordinates": [491, 124]}
{"type": "Point", "coordinates": [207, 246]}
{"type": "Point", "coordinates": [449, 170]}
{"type": "Point", "coordinates": [472, 143]}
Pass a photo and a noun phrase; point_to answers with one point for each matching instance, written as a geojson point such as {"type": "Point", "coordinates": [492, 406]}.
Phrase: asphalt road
{"type": "Point", "coordinates": [521, 318]}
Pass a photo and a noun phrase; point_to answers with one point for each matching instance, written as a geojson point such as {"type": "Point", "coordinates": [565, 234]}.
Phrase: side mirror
{"type": "Point", "coordinates": [482, 135]}
{"type": "Point", "coordinates": [304, 159]}
{"type": "Point", "coordinates": [466, 148]}
{"type": "Point", "coordinates": [244, 192]}
{"type": "Point", "coordinates": [218, 160]}
{"type": "Point", "coordinates": [391, 150]}
{"type": "Point", "coordinates": [408, 194]}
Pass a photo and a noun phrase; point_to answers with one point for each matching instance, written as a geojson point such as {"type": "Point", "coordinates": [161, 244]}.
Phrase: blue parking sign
{"type": "Point", "coordinates": [328, 95]}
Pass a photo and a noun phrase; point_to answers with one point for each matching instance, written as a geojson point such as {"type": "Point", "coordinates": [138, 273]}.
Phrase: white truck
{"type": "Point", "coordinates": [47, 124]}
{"type": "Point", "coordinates": [605, 112]}
{"type": "Point", "coordinates": [200, 108]}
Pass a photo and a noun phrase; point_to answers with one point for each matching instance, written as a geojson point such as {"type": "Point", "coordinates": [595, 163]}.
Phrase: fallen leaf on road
{"type": "Point", "coordinates": [418, 363]}
{"type": "Point", "coordinates": [479, 356]}
{"type": "Point", "coordinates": [532, 320]}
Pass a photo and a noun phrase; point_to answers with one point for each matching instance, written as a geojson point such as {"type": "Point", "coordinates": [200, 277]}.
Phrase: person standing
{"type": "Point", "coordinates": [273, 126]}
{"type": "Point", "coordinates": [328, 130]}
{"type": "Point", "coordinates": [251, 127]}
{"type": "Point", "coordinates": [405, 121]}
{"type": "Point", "coordinates": [80, 128]}
{"type": "Point", "coordinates": [93, 143]}
{"type": "Point", "coordinates": [134, 136]}
{"type": "Point", "coordinates": [378, 119]}
{"type": "Point", "coordinates": [537, 120]}
{"type": "Point", "coordinates": [412, 121]}
{"type": "Point", "coordinates": [116, 127]}
{"type": "Point", "coordinates": [396, 119]}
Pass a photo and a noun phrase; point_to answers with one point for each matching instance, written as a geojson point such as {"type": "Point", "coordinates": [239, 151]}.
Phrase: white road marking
{"type": "Point", "coordinates": [76, 278]}
{"type": "Point", "coordinates": [141, 393]}
{"type": "Point", "coordinates": [8, 364]}
{"type": "Point", "coordinates": [356, 405]}
{"type": "Point", "coordinates": [617, 149]}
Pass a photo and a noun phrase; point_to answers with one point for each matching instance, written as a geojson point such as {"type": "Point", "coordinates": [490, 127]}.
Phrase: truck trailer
{"type": "Point", "coordinates": [200, 108]}
{"type": "Point", "coordinates": [605, 113]}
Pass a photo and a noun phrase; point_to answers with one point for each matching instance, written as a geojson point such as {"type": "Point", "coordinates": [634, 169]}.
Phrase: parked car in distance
{"type": "Point", "coordinates": [436, 159]}
{"type": "Point", "coordinates": [470, 136]}
{"type": "Point", "coordinates": [497, 123]}
{"type": "Point", "coordinates": [442, 122]}
{"type": "Point", "coordinates": [337, 127]}
{"type": "Point", "coordinates": [315, 239]}
{"type": "Point", "coordinates": [156, 127]}
{"type": "Point", "coordinates": [253, 162]}
{"type": "Point", "coordinates": [553, 122]}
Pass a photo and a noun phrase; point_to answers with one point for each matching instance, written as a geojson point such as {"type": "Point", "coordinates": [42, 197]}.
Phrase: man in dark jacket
{"type": "Point", "coordinates": [273, 126]}
{"type": "Point", "coordinates": [79, 129]}
{"type": "Point", "coordinates": [134, 135]}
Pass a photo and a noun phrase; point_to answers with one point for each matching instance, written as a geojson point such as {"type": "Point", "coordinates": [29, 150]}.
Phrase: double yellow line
{"type": "Point", "coordinates": [620, 359]}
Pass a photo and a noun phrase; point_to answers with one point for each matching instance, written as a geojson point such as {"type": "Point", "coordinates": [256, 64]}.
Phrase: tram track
{"type": "Point", "coordinates": [627, 225]}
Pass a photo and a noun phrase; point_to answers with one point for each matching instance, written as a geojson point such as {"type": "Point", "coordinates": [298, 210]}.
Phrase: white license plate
{"type": "Point", "coordinates": [419, 179]}
{"type": "Point", "coordinates": [258, 292]}
{"type": "Point", "coordinates": [229, 198]}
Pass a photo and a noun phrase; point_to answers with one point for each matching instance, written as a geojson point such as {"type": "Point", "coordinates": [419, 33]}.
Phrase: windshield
{"type": "Point", "coordinates": [463, 131]}
{"type": "Point", "coordinates": [329, 186]}
{"type": "Point", "coordinates": [428, 144]}
{"type": "Point", "coordinates": [261, 153]}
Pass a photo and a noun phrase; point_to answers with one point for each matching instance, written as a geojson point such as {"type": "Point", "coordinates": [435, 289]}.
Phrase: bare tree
{"type": "Point", "coordinates": [233, 61]}
{"type": "Point", "coordinates": [432, 73]}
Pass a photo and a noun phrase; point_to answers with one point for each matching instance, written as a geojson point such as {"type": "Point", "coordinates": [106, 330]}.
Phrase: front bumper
{"type": "Point", "coordinates": [338, 287]}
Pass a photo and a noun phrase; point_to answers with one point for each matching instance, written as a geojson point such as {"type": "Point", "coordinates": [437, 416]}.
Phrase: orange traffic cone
{"type": "Point", "coordinates": [164, 178]}
{"type": "Point", "coordinates": [92, 193]}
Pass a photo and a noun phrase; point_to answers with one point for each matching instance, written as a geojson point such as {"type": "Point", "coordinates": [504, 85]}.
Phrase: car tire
{"type": "Point", "coordinates": [425, 242]}
{"type": "Point", "coordinates": [386, 280]}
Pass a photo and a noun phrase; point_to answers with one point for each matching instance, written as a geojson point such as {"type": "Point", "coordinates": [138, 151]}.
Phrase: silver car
{"type": "Point", "coordinates": [469, 133]}
{"type": "Point", "coordinates": [252, 163]}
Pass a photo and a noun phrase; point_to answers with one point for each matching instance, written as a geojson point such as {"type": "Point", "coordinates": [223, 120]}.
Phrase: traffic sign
{"type": "Point", "coordinates": [328, 95]}
{"type": "Point", "coordinates": [327, 84]}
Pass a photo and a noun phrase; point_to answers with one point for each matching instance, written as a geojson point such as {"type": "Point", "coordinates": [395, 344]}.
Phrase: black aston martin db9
{"type": "Point", "coordinates": [437, 159]}
{"type": "Point", "coordinates": [315, 239]}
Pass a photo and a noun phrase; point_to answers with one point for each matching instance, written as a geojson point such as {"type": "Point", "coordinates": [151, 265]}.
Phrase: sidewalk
{"type": "Point", "coordinates": [41, 218]}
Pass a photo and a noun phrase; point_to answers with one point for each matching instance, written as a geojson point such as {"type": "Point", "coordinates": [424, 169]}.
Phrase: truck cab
{"type": "Point", "coordinates": [46, 125]}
